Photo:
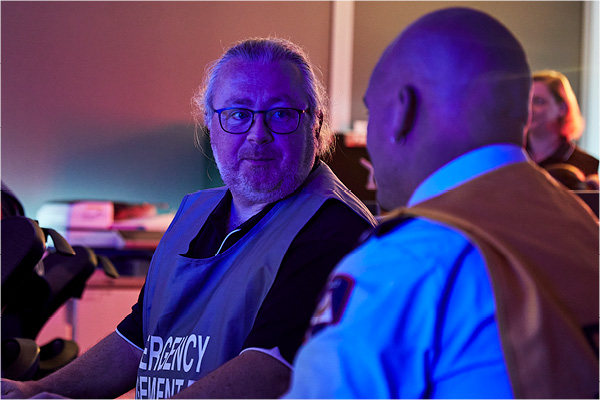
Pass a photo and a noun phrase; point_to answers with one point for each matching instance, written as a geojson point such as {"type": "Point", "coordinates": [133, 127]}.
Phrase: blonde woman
{"type": "Point", "coordinates": [556, 123]}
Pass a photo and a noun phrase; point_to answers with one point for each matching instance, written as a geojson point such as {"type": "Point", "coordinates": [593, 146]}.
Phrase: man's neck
{"type": "Point", "coordinates": [543, 146]}
{"type": "Point", "coordinates": [242, 208]}
{"type": "Point", "coordinates": [242, 211]}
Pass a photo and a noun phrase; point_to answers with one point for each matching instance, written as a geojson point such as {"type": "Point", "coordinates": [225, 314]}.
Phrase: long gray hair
{"type": "Point", "coordinates": [267, 50]}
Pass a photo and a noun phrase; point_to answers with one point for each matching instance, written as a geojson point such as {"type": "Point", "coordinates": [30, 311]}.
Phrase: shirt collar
{"type": "Point", "coordinates": [467, 167]}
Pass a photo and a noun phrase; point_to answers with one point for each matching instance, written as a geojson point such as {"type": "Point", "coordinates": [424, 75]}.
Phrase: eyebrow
{"type": "Point", "coordinates": [246, 101]}
{"type": "Point", "coordinates": [280, 99]}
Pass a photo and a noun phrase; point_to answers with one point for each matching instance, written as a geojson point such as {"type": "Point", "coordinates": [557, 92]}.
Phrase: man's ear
{"type": "Point", "coordinates": [407, 109]}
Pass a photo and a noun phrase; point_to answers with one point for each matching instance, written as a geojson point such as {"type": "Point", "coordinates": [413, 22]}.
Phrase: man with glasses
{"type": "Point", "coordinates": [235, 279]}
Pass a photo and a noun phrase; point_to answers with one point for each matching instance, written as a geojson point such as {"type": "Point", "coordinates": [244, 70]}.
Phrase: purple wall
{"type": "Point", "coordinates": [96, 95]}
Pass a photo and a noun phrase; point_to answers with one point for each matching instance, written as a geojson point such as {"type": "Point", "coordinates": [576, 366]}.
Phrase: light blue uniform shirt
{"type": "Point", "coordinates": [410, 314]}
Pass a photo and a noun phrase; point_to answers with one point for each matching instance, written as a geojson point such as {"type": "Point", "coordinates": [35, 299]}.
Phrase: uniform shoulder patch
{"type": "Point", "coordinates": [332, 305]}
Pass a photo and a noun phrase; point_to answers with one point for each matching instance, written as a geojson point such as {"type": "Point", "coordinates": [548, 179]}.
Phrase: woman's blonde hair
{"type": "Point", "coordinates": [572, 124]}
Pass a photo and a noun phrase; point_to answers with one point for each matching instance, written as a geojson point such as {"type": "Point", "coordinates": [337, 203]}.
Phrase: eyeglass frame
{"type": "Point", "coordinates": [254, 112]}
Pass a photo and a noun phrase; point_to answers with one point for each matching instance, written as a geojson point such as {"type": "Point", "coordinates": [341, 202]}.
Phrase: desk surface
{"type": "Point", "coordinates": [99, 280]}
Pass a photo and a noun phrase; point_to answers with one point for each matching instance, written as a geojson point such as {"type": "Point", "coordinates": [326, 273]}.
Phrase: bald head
{"type": "Point", "coordinates": [453, 81]}
{"type": "Point", "coordinates": [472, 67]}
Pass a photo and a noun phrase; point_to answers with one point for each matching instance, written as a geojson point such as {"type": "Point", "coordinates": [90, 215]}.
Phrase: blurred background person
{"type": "Point", "coordinates": [556, 123]}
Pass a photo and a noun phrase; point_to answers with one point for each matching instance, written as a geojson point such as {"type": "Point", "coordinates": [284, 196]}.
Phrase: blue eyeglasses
{"type": "Point", "coordinates": [237, 120]}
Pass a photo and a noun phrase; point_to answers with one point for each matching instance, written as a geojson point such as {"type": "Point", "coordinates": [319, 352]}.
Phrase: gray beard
{"type": "Point", "coordinates": [254, 189]}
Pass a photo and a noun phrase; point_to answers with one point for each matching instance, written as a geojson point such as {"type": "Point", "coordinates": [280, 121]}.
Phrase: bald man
{"type": "Point", "coordinates": [483, 282]}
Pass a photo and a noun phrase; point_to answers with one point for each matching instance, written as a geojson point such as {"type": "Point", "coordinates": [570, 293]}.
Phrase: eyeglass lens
{"type": "Point", "coordinates": [278, 120]}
